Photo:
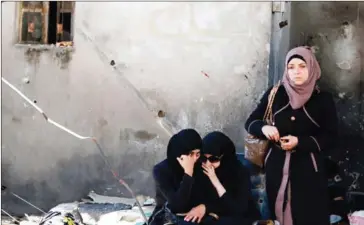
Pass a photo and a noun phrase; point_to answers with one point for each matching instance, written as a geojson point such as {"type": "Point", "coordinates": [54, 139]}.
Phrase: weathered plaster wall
{"type": "Point", "coordinates": [168, 45]}
{"type": "Point", "coordinates": [161, 51]}
{"type": "Point", "coordinates": [337, 31]}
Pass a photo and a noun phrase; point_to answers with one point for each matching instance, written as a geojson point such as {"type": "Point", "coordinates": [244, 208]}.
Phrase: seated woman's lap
{"type": "Point", "coordinates": [180, 221]}
{"type": "Point", "coordinates": [220, 221]}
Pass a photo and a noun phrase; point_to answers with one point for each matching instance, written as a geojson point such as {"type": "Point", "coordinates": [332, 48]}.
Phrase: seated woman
{"type": "Point", "coordinates": [223, 186]}
{"type": "Point", "coordinates": [174, 175]}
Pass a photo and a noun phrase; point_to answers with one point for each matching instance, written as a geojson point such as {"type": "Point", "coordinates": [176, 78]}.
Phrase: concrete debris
{"type": "Point", "coordinates": [33, 219]}
{"type": "Point", "coordinates": [6, 220]}
{"type": "Point", "coordinates": [96, 198]}
{"type": "Point", "coordinates": [126, 217]}
{"type": "Point", "coordinates": [64, 44]}
{"type": "Point", "coordinates": [149, 202]}
{"type": "Point", "coordinates": [57, 218]}
{"type": "Point", "coordinates": [65, 207]}
{"type": "Point", "coordinates": [95, 210]}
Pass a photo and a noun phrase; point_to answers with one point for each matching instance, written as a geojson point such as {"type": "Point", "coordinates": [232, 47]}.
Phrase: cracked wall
{"type": "Point", "coordinates": [204, 65]}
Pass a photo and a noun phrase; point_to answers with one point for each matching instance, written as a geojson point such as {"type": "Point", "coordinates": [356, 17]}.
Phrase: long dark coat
{"type": "Point", "coordinates": [315, 125]}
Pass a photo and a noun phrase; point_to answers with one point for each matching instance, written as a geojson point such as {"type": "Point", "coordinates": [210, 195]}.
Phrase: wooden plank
{"type": "Point", "coordinates": [45, 22]}
{"type": "Point", "coordinates": [32, 9]}
{"type": "Point", "coordinates": [20, 15]}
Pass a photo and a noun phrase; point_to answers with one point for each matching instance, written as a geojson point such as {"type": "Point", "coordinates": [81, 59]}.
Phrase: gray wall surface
{"type": "Point", "coordinates": [161, 51]}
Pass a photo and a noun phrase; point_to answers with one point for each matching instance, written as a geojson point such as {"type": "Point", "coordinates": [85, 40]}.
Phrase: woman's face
{"type": "Point", "coordinates": [297, 71]}
{"type": "Point", "coordinates": [211, 160]}
{"type": "Point", "coordinates": [195, 153]}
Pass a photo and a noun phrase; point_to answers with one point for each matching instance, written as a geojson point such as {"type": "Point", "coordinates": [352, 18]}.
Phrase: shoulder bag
{"type": "Point", "coordinates": [255, 148]}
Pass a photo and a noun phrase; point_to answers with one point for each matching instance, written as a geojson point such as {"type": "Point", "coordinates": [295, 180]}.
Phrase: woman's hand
{"type": "Point", "coordinates": [196, 214]}
{"type": "Point", "coordinates": [271, 132]}
{"type": "Point", "coordinates": [187, 162]}
{"type": "Point", "coordinates": [210, 172]}
{"type": "Point", "coordinates": [289, 142]}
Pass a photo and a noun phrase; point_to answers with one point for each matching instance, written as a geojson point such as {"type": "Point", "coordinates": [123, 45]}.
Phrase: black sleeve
{"type": "Point", "coordinates": [255, 121]}
{"type": "Point", "coordinates": [177, 197]}
{"type": "Point", "coordinates": [328, 132]}
{"type": "Point", "coordinates": [214, 207]}
{"type": "Point", "coordinates": [234, 202]}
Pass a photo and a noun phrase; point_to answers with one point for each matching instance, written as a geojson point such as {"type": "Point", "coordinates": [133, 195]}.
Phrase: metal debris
{"type": "Point", "coordinates": [3, 188]}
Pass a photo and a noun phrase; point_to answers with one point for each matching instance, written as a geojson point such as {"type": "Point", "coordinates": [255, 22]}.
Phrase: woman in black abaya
{"type": "Point", "coordinates": [223, 186]}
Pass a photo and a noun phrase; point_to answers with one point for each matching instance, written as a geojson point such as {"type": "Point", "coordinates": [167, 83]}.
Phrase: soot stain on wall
{"type": "Point", "coordinates": [336, 29]}
{"type": "Point", "coordinates": [61, 55]}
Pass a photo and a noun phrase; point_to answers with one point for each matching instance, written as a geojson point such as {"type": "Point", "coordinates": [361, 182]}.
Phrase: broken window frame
{"type": "Point", "coordinates": [44, 10]}
{"type": "Point", "coordinates": [62, 9]}
{"type": "Point", "coordinates": [22, 11]}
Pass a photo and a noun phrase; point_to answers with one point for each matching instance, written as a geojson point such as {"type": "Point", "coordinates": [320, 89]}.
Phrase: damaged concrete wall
{"type": "Point", "coordinates": [203, 65]}
{"type": "Point", "coordinates": [337, 31]}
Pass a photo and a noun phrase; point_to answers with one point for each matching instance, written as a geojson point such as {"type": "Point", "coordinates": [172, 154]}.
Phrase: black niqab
{"type": "Point", "coordinates": [218, 144]}
{"type": "Point", "coordinates": [182, 143]}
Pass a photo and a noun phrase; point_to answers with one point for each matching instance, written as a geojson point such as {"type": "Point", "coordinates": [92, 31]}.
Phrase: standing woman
{"type": "Point", "coordinates": [304, 127]}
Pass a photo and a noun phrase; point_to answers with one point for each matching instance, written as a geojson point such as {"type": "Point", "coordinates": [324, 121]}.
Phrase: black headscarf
{"type": "Point", "coordinates": [218, 144]}
{"type": "Point", "coordinates": [232, 175]}
{"type": "Point", "coordinates": [182, 143]}
{"type": "Point", "coordinates": [296, 56]}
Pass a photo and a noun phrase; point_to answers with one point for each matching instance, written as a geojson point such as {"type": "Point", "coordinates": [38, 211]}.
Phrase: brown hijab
{"type": "Point", "coordinates": [300, 94]}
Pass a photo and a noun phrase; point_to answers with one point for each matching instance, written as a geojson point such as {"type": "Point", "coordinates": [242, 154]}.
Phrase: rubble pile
{"type": "Point", "coordinates": [94, 210]}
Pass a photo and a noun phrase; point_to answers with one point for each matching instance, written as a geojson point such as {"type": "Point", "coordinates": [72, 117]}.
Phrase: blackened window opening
{"type": "Point", "coordinates": [52, 23]}
{"type": "Point", "coordinates": [59, 23]}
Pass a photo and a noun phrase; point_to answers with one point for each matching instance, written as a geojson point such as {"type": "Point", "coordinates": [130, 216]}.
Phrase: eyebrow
{"type": "Point", "coordinates": [298, 64]}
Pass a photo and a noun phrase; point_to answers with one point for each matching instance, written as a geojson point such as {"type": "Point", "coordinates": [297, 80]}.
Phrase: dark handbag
{"type": "Point", "coordinates": [163, 216]}
{"type": "Point", "coordinates": [255, 148]}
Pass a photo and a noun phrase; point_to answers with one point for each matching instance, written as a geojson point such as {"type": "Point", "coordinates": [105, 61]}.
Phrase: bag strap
{"type": "Point", "coordinates": [268, 115]}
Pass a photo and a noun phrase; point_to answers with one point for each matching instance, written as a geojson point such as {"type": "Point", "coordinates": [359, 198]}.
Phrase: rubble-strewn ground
{"type": "Point", "coordinates": [93, 210]}
{"type": "Point", "coordinates": [108, 210]}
